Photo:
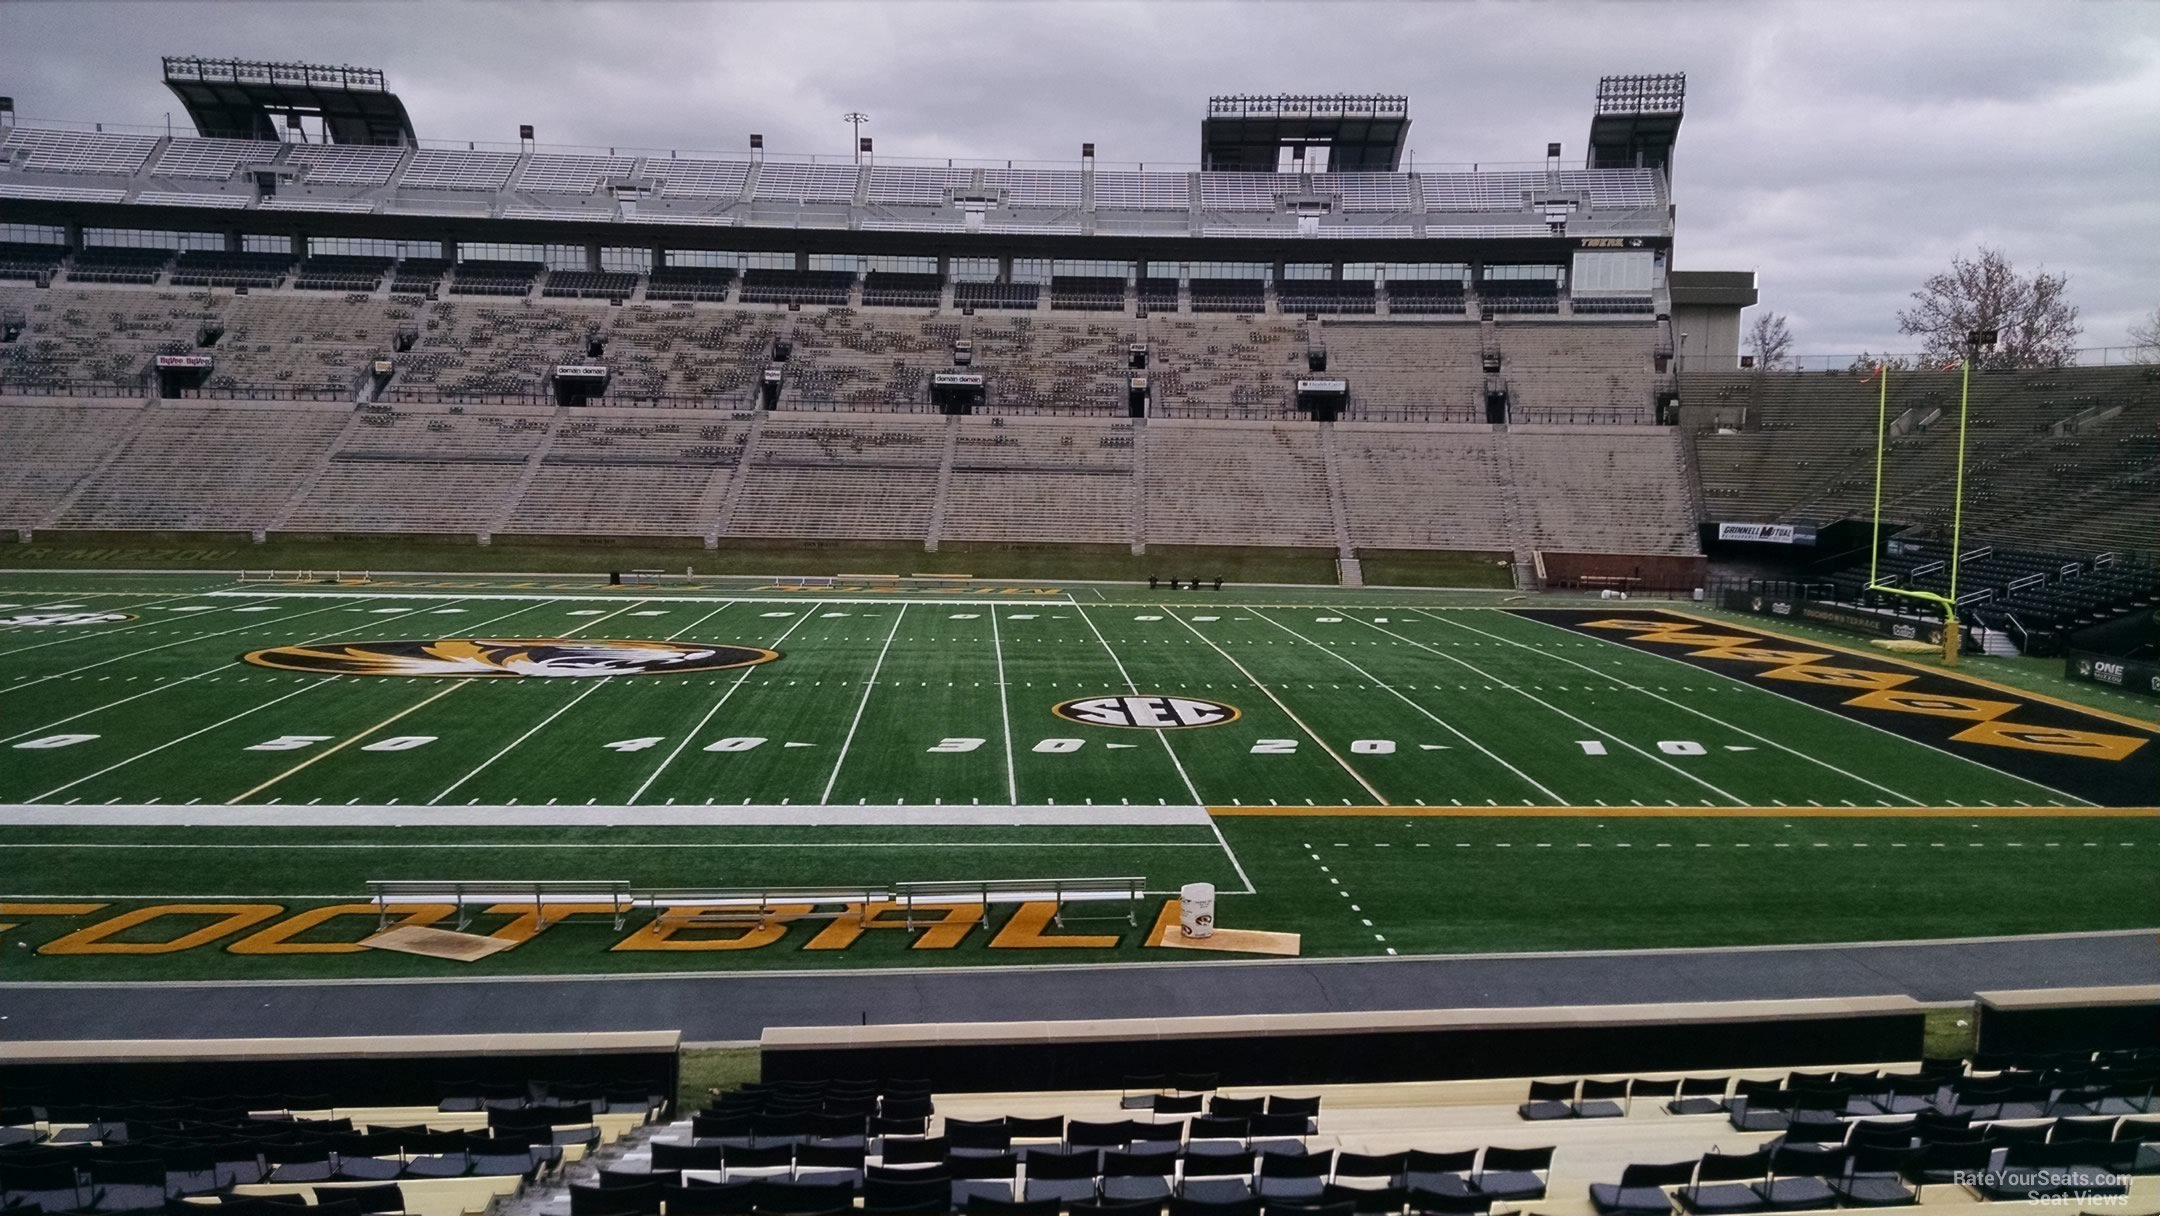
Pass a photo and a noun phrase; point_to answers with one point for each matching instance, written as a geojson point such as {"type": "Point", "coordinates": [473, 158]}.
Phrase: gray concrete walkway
{"type": "Point", "coordinates": [739, 1006]}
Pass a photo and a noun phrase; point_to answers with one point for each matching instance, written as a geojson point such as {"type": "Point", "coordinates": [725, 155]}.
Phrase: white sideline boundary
{"type": "Point", "coordinates": [1061, 599]}
{"type": "Point", "coordinates": [416, 815]}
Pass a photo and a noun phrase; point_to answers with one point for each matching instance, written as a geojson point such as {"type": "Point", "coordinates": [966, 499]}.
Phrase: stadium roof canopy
{"type": "Point", "coordinates": [1363, 133]}
{"type": "Point", "coordinates": [243, 98]}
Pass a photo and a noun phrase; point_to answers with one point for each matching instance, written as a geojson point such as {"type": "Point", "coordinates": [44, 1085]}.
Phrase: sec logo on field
{"type": "Point", "coordinates": [1146, 712]}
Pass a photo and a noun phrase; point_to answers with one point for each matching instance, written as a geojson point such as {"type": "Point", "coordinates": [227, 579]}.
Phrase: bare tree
{"type": "Point", "coordinates": [2036, 326]}
{"type": "Point", "coordinates": [2145, 339]}
{"type": "Point", "coordinates": [1770, 340]}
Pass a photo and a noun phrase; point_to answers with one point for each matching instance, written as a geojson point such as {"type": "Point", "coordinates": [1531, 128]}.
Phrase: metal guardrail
{"type": "Point", "coordinates": [1057, 891]}
{"type": "Point", "coordinates": [383, 892]}
{"type": "Point", "coordinates": [762, 905]}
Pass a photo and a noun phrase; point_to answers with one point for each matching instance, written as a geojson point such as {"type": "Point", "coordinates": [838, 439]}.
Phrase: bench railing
{"type": "Point", "coordinates": [761, 906]}
{"type": "Point", "coordinates": [463, 895]}
{"type": "Point", "coordinates": [1057, 892]}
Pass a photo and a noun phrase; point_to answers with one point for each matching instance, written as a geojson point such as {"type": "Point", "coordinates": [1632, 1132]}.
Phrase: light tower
{"type": "Point", "coordinates": [855, 119]}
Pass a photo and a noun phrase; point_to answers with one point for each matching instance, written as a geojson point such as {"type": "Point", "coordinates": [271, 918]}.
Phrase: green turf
{"type": "Point", "coordinates": [1345, 699]}
{"type": "Point", "coordinates": [1426, 568]}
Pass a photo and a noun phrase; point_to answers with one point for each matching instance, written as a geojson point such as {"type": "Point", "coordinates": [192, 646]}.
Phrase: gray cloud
{"type": "Point", "coordinates": [1842, 150]}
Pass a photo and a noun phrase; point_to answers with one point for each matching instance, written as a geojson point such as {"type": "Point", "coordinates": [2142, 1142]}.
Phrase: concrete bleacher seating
{"type": "Point", "coordinates": [1554, 369]}
{"type": "Point", "coordinates": [1425, 486]}
{"type": "Point", "coordinates": [1413, 367]}
{"type": "Point", "coordinates": [1602, 489]}
{"type": "Point", "coordinates": [860, 476]}
{"type": "Point", "coordinates": [47, 445]}
{"type": "Point", "coordinates": [1211, 483]}
{"type": "Point", "coordinates": [2064, 458]}
{"type": "Point", "coordinates": [464, 437]}
{"type": "Point", "coordinates": [631, 473]}
{"type": "Point", "coordinates": [1249, 365]}
{"type": "Point", "coordinates": [1064, 365]}
{"type": "Point", "coordinates": [275, 340]}
{"type": "Point", "coordinates": [866, 360]}
{"type": "Point", "coordinates": [100, 335]}
{"type": "Point", "coordinates": [224, 466]}
{"type": "Point", "coordinates": [1042, 479]}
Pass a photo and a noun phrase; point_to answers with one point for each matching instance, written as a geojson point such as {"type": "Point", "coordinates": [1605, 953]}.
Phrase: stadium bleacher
{"type": "Point", "coordinates": [2060, 459]}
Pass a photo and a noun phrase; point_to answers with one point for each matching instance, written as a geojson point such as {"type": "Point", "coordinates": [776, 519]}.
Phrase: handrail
{"type": "Point", "coordinates": [761, 905]}
{"type": "Point", "coordinates": [463, 894]}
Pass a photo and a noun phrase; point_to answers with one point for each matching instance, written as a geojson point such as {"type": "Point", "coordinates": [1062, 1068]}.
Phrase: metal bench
{"type": "Point", "coordinates": [1056, 891]}
{"type": "Point", "coordinates": [384, 892]}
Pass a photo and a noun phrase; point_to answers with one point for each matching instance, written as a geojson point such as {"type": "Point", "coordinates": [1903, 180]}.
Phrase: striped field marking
{"type": "Point", "coordinates": [1689, 812]}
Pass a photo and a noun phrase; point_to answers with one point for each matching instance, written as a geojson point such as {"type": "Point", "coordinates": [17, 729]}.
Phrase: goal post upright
{"type": "Point", "coordinates": [1948, 603]}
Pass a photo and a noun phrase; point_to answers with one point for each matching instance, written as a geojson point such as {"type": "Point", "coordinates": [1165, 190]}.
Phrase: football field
{"type": "Point", "coordinates": [198, 776]}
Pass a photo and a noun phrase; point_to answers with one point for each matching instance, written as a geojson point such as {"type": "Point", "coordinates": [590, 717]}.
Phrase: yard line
{"type": "Point", "coordinates": [306, 688]}
{"type": "Point", "coordinates": [869, 686]}
{"type": "Point", "coordinates": [106, 633]}
{"type": "Point", "coordinates": [1012, 779]}
{"type": "Point", "coordinates": [1444, 725]}
{"type": "Point", "coordinates": [1735, 799]}
{"type": "Point", "coordinates": [208, 671]}
{"type": "Point", "coordinates": [740, 678]}
{"type": "Point", "coordinates": [347, 742]}
{"type": "Point", "coordinates": [135, 654]}
{"type": "Point", "coordinates": [1907, 799]}
{"type": "Point", "coordinates": [1163, 736]}
{"type": "Point", "coordinates": [1234, 863]}
{"type": "Point", "coordinates": [566, 708]}
{"type": "Point", "coordinates": [1379, 799]}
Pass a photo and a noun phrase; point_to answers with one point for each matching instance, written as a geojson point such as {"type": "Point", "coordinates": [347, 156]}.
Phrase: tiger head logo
{"type": "Point", "coordinates": [510, 657]}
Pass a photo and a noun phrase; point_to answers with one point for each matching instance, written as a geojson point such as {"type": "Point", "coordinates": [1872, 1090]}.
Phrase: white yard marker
{"type": "Point", "coordinates": [1517, 689]}
{"type": "Point", "coordinates": [869, 686]}
{"type": "Point", "coordinates": [1905, 799]}
{"type": "Point", "coordinates": [1012, 780]}
{"type": "Point", "coordinates": [703, 722]}
{"type": "Point", "coordinates": [305, 688]}
{"type": "Point", "coordinates": [1378, 798]}
{"type": "Point", "coordinates": [134, 654]}
{"type": "Point", "coordinates": [1534, 783]}
{"type": "Point", "coordinates": [537, 727]}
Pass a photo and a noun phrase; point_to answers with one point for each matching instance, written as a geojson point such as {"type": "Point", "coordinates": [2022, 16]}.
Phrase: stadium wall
{"type": "Point", "coordinates": [1315, 1049]}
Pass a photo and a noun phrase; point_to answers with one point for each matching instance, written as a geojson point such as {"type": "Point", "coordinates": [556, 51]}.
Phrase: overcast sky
{"type": "Point", "coordinates": [1842, 151]}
